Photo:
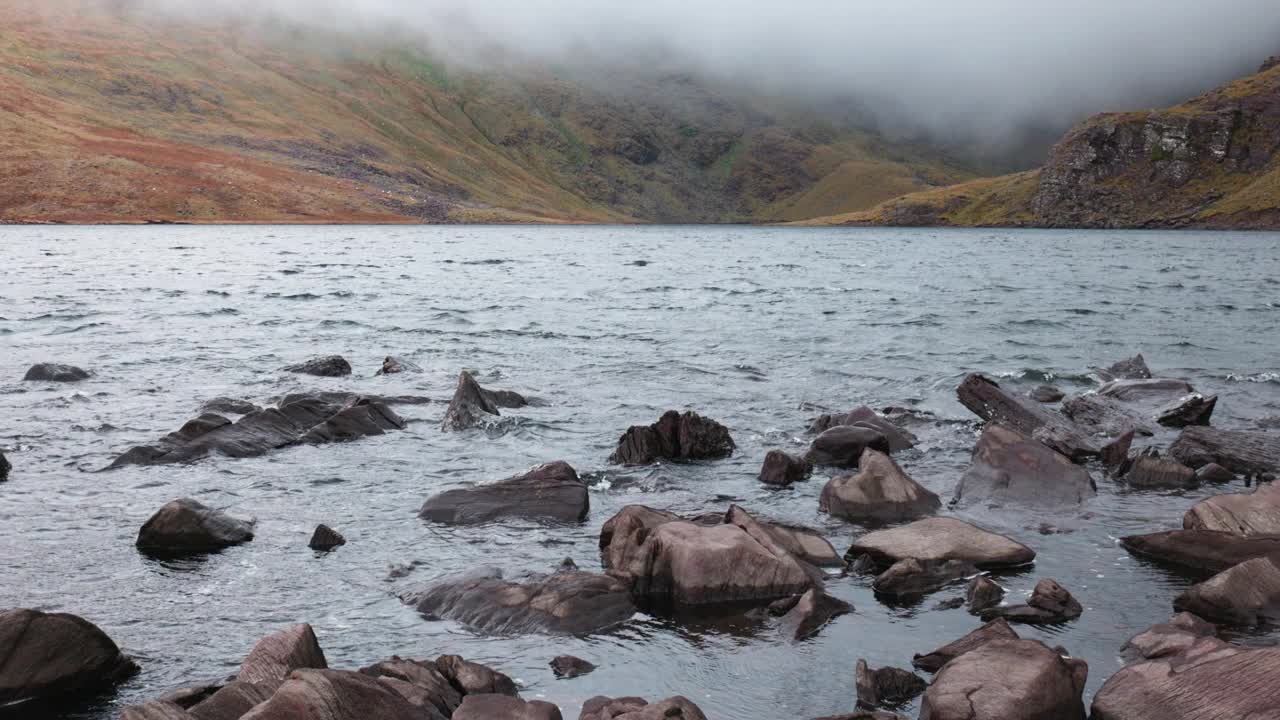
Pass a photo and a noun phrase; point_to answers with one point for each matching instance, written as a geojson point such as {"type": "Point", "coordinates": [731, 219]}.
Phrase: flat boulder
{"type": "Point", "coordinates": [1049, 604]}
{"type": "Point", "coordinates": [940, 539]}
{"type": "Point", "coordinates": [328, 366]}
{"type": "Point", "coordinates": [55, 372]}
{"type": "Point", "coordinates": [679, 437]}
{"type": "Point", "coordinates": [814, 610]}
{"type": "Point", "coordinates": [842, 446]}
{"type": "Point", "coordinates": [986, 399]}
{"type": "Point", "coordinates": [898, 438]}
{"type": "Point", "coordinates": [1243, 452]}
{"type": "Point", "coordinates": [912, 578]}
{"type": "Point", "coordinates": [880, 491]}
{"type": "Point", "coordinates": [1247, 594]}
{"type": "Point", "coordinates": [548, 492]}
{"type": "Point", "coordinates": [991, 632]}
{"type": "Point", "coordinates": [1011, 468]}
{"type": "Point", "coordinates": [56, 656]}
{"type": "Point", "coordinates": [1009, 680]}
{"type": "Point", "coordinates": [885, 686]}
{"type": "Point", "coordinates": [470, 406]}
{"type": "Point", "coordinates": [782, 468]}
{"type": "Point", "coordinates": [186, 526]}
{"type": "Point", "coordinates": [1200, 551]}
{"type": "Point", "coordinates": [634, 708]}
{"type": "Point", "coordinates": [1169, 638]}
{"type": "Point", "coordinates": [1150, 470]}
{"type": "Point", "coordinates": [1246, 514]}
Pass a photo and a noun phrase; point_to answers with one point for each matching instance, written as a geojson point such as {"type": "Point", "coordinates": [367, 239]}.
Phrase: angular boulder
{"type": "Point", "coordinates": [986, 399]}
{"type": "Point", "coordinates": [1152, 471]}
{"type": "Point", "coordinates": [548, 492]}
{"type": "Point", "coordinates": [438, 688]}
{"type": "Point", "coordinates": [1102, 415]}
{"type": "Point", "coordinates": [1049, 604]}
{"type": "Point", "coordinates": [880, 491]}
{"type": "Point", "coordinates": [470, 406]}
{"type": "Point", "coordinates": [1115, 454]}
{"type": "Point", "coordinates": [328, 366]}
{"type": "Point", "coordinates": [56, 656]}
{"type": "Point", "coordinates": [842, 446]}
{"type": "Point", "coordinates": [814, 610]}
{"type": "Point", "coordinates": [898, 438]}
{"type": "Point", "coordinates": [1194, 409]}
{"type": "Point", "coordinates": [234, 700]}
{"type": "Point", "coordinates": [1180, 633]}
{"type": "Point", "coordinates": [911, 578]}
{"type": "Point", "coordinates": [567, 667]}
{"type": "Point", "coordinates": [1246, 514]}
{"type": "Point", "coordinates": [885, 686]}
{"type": "Point", "coordinates": [1134, 368]}
{"type": "Point", "coordinates": [1008, 680]}
{"type": "Point", "coordinates": [940, 539]}
{"type": "Point", "coordinates": [1242, 452]}
{"type": "Point", "coordinates": [55, 372]}
{"type": "Point", "coordinates": [782, 468]}
{"type": "Point", "coordinates": [991, 632]}
{"type": "Point", "coordinates": [680, 437]}
{"type": "Point", "coordinates": [326, 538]}
{"type": "Point", "coordinates": [186, 526]}
{"type": "Point", "coordinates": [1201, 551]}
{"type": "Point", "coordinates": [1011, 468]}
{"type": "Point", "coordinates": [634, 708]}
{"type": "Point", "coordinates": [1247, 594]}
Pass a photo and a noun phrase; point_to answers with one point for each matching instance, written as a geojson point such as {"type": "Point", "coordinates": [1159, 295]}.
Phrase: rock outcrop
{"type": "Point", "coordinates": [1011, 468]}
{"type": "Point", "coordinates": [940, 539]}
{"type": "Point", "coordinates": [1242, 452]}
{"type": "Point", "coordinates": [634, 708]}
{"type": "Point", "coordinates": [842, 446]}
{"type": "Point", "coordinates": [56, 656]}
{"type": "Point", "coordinates": [1009, 680]}
{"type": "Point", "coordinates": [782, 468]}
{"type": "Point", "coordinates": [328, 366]}
{"type": "Point", "coordinates": [1247, 594]}
{"type": "Point", "coordinates": [1256, 513]}
{"type": "Point", "coordinates": [986, 399]}
{"type": "Point", "coordinates": [548, 492]}
{"type": "Point", "coordinates": [1201, 551]}
{"type": "Point", "coordinates": [880, 491]}
{"type": "Point", "coordinates": [991, 632]}
{"type": "Point", "coordinates": [680, 437]}
{"type": "Point", "coordinates": [55, 372]}
{"type": "Point", "coordinates": [186, 526]}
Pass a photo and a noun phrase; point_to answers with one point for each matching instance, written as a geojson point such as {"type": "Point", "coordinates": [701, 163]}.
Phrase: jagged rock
{"type": "Point", "coordinates": [1256, 513]}
{"type": "Point", "coordinates": [987, 400]}
{"type": "Point", "coordinates": [54, 372]}
{"type": "Point", "coordinates": [940, 539]}
{"type": "Point", "coordinates": [1134, 368]}
{"type": "Point", "coordinates": [885, 686]}
{"type": "Point", "coordinates": [991, 632]}
{"type": "Point", "coordinates": [863, 416]}
{"type": "Point", "coordinates": [634, 708]}
{"type": "Point", "coordinates": [1247, 594]}
{"type": "Point", "coordinates": [1200, 550]}
{"type": "Point", "coordinates": [328, 366]}
{"type": "Point", "coordinates": [56, 656]}
{"type": "Point", "coordinates": [1115, 454]}
{"type": "Point", "coordinates": [1049, 604]}
{"type": "Point", "coordinates": [1046, 394]}
{"type": "Point", "coordinates": [547, 492]}
{"type": "Point", "coordinates": [843, 445]}
{"type": "Point", "coordinates": [393, 365]}
{"type": "Point", "coordinates": [334, 695]}
{"type": "Point", "coordinates": [1150, 470]}
{"type": "Point", "coordinates": [298, 420]}
{"type": "Point", "coordinates": [1180, 633]}
{"type": "Point", "coordinates": [5, 467]}
{"type": "Point", "coordinates": [983, 593]}
{"type": "Point", "coordinates": [781, 468]}
{"type": "Point", "coordinates": [1194, 409]}
{"type": "Point", "coordinates": [814, 610]}
{"type": "Point", "coordinates": [1211, 680]}
{"type": "Point", "coordinates": [1009, 680]}
{"type": "Point", "coordinates": [565, 602]}
{"type": "Point", "coordinates": [568, 666]}
{"type": "Point", "coordinates": [1214, 473]}
{"type": "Point", "coordinates": [880, 491]}
{"type": "Point", "coordinates": [280, 653]}
{"type": "Point", "coordinates": [228, 406]}
{"type": "Point", "coordinates": [504, 707]}
{"type": "Point", "coordinates": [1242, 452]}
{"type": "Point", "coordinates": [326, 538]}
{"type": "Point", "coordinates": [470, 405]}
{"type": "Point", "coordinates": [1009, 467]}
{"type": "Point", "coordinates": [676, 436]}
{"type": "Point", "coordinates": [915, 578]}
{"type": "Point", "coordinates": [1102, 415]}
{"type": "Point", "coordinates": [185, 526]}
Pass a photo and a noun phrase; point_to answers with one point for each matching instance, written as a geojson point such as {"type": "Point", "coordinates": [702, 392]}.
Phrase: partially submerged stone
{"type": "Point", "coordinates": [986, 399]}
{"type": "Point", "coordinates": [328, 366]}
{"type": "Point", "coordinates": [1201, 550]}
{"type": "Point", "coordinates": [1011, 468]}
{"type": "Point", "coordinates": [880, 491]}
{"type": "Point", "coordinates": [1107, 416]}
{"type": "Point", "coordinates": [228, 406]}
{"type": "Point", "coordinates": [504, 707]}
{"type": "Point", "coordinates": [326, 538]}
{"type": "Point", "coordinates": [394, 365]}
{"type": "Point", "coordinates": [548, 492]}
{"type": "Point", "coordinates": [186, 526]}
{"type": "Point", "coordinates": [992, 631]}
{"type": "Point", "coordinates": [898, 438]}
{"type": "Point", "coordinates": [1215, 473]}
{"type": "Point", "coordinates": [470, 406]}
{"type": "Point", "coordinates": [940, 539]}
{"type": "Point", "coordinates": [55, 372]}
{"type": "Point", "coordinates": [1046, 394]}
{"type": "Point", "coordinates": [1247, 514]}
{"type": "Point", "coordinates": [5, 467]}
{"type": "Point", "coordinates": [1170, 638]}
{"type": "Point", "coordinates": [1247, 594]}
{"type": "Point", "coordinates": [782, 468]}
{"type": "Point", "coordinates": [910, 578]}
{"type": "Point", "coordinates": [1150, 470]}
{"type": "Point", "coordinates": [567, 667]}
{"type": "Point", "coordinates": [55, 657]}
{"type": "Point", "coordinates": [814, 610]}
{"type": "Point", "coordinates": [1008, 680]}
{"type": "Point", "coordinates": [1134, 368]}
{"type": "Point", "coordinates": [680, 437]}
{"type": "Point", "coordinates": [843, 445]}
{"type": "Point", "coordinates": [1246, 453]}
{"type": "Point", "coordinates": [885, 686]}
{"type": "Point", "coordinates": [1193, 409]}
{"type": "Point", "coordinates": [983, 593]}
{"type": "Point", "coordinates": [1049, 604]}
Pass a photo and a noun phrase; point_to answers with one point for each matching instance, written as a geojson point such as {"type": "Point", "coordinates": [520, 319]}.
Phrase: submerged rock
{"type": "Point", "coordinates": [634, 708]}
{"type": "Point", "coordinates": [675, 436]}
{"type": "Point", "coordinates": [843, 445]}
{"type": "Point", "coordinates": [1009, 680]}
{"type": "Point", "coordinates": [54, 372]}
{"type": "Point", "coordinates": [393, 365]}
{"type": "Point", "coordinates": [1242, 452]}
{"type": "Point", "coordinates": [983, 593]}
{"type": "Point", "coordinates": [986, 399]}
{"type": "Point", "coordinates": [547, 492]}
{"type": "Point", "coordinates": [940, 539]}
{"type": "Point", "coordinates": [1247, 594]}
{"type": "Point", "coordinates": [55, 657]}
{"type": "Point", "coordinates": [1102, 415]}
{"type": "Point", "coordinates": [880, 491]}
{"type": "Point", "coordinates": [328, 366]}
{"type": "Point", "coordinates": [1009, 467]}
{"type": "Point", "coordinates": [1200, 550]}
{"type": "Point", "coordinates": [885, 686]}
{"type": "Point", "coordinates": [914, 578]}
{"type": "Point", "coordinates": [781, 468]}
{"type": "Point", "coordinates": [814, 610]}
{"type": "Point", "coordinates": [326, 538]}
{"type": "Point", "coordinates": [1049, 604]}
{"type": "Point", "coordinates": [1047, 394]}
{"type": "Point", "coordinates": [991, 632]}
{"type": "Point", "coordinates": [1150, 470]}
{"type": "Point", "coordinates": [863, 416]}
{"type": "Point", "coordinates": [1256, 513]}
{"type": "Point", "coordinates": [186, 526]}
{"type": "Point", "coordinates": [1180, 633]}
{"type": "Point", "coordinates": [469, 407]}
{"type": "Point", "coordinates": [566, 667]}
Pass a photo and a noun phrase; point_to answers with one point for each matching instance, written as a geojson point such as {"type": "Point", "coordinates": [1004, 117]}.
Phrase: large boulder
{"type": "Point", "coordinates": [1180, 633]}
{"type": "Point", "coordinates": [680, 437]}
{"type": "Point", "coordinates": [309, 419]}
{"type": "Point", "coordinates": [1247, 594]}
{"type": "Point", "coordinates": [986, 399]}
{"type": "Point", "coordinates": [55, 372]}
{"type": "Point", "coordinates": [234, 699]}
{"type": "Point", "coordinates": [1200, 551]}
{"type": "Point", "coordinates": [880, 491]}
{"type": "Point", "coordinates": [1242, 452]}
{"type": "Point", "coordinates": [280, 653]}
{"type": "Point", "coordinates": [1256, 513]}
{"type": "Point", "coordinates": [782, 468]}
{"type": "Point", "coordinates": [814, 610]}
{"type": "Point", "coordinates": [328, 366]}
{"type": "Point", "coordinates": [470, 406]}
{"type": "Point", "coordinates": [634, 708]}
{"type": "Point", "coordinates": [1011, 468]}
{"type": "Point", "coordinates": [1150, 470]}
{"type": "Point", "coordinates": [334, 695]}
{"type": "Point", "coordinates": [504, 707]}
{"type": "Point", "coordinates": [888, 685]}
{"type": "Point", "coordinates": [842, 446]}
{"type": "Point", "coordinates": [56, 656]}
{"type": "Point", "coordinates": [1049, 604]}
{"type": "Point", "coordinates": [940, 539]}
{"type": "Point", "coordinates": [186, 526]}
{"type": "Point", "coordinates": [898, 438]}
{"type": "Point", "coordinates": [438, 688]}
{"type": "Point", "coordinates": [547, 492]}
{"type": "Point", "coordinates": [991, 632]}
{"type": "Point", "coordinates": [1210, 680]}
{"type": "Point", "coordinates": [1008, 680]}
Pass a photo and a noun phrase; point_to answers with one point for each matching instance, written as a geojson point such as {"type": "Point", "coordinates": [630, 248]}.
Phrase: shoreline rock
{"type": "Point", "coordinates": [1247, 594]}
{"type": "Point", "coordinates": [1244, 514]}
{"type": "Point", "coordinates": [469, 406]}
{"type": "Point", "coordinates": [1243, 452]}
{"type": "Point", "coordinates": [326, 538]}
{"type": "Point", "coordinates": [1200, 551]}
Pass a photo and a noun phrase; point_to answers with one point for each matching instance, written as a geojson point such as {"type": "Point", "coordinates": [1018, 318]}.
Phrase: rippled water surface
{"type": "Point", "coordinates": [758, 328]}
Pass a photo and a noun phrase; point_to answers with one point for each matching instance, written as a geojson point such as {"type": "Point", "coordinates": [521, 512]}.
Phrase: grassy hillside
{"type": "Point", "coordinates": [107, 118]}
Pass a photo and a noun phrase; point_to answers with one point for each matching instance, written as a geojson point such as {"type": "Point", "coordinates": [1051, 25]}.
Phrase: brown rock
{"type": "Point", "coordinates": [185, 526]}
{"type": "Point", "coordinates": [1150, 470]}
{"type": "Point", "coordinates": [843, 445]}
{"type": "Point", "coordinates": [1008, 680]}
{"type": "Point", "coordinates": [676, 436]}
{"type": "Point", "coordinates": [885, 686]}
{"type": "Point", "coordinates": [1116, 453]}
{"type": "Point", "coordinates": [234, 700]}
{"type": "Point", "coordinates": [325, 538]}
{"type": "Point", "coordinates": [470, 407]}
{"type": "Point", "coordinates": [504, 707]}
{"type": "Point", "coordinates": [1247, 514]}
{"type": "Point", "coordinates": [55, 372]}
{"type": "Point", "coordinates": [1242, 452]}
{"type": "Point", "coordinates": [992, 631]}
{"type": "Point", "coordinates": [983, 593]}
{"type": "Point", "coordinates": [940, 539]}
{"type": "Point", "coordinates": [280, 653]}
{"type": "Point", "coordinates": [880, 491]}
{"type": "Point", "coordinates": [156, 710]}
{"type": "Point", "coordinates": [1009, 467]}
{"type": "Point", "coordinates": [1046, 394]}
{"type": "Point", "coordinates": [1050, 603]}
{"type": "Point", "coordinates": [548, 492]}
{"type": "Point", "coordinates": [1194, 409]}
{"type": "Point", "coordinates": [634, 708]}
{"type": "Point", "coordinates": [334, 695]}
{"type": "Point", "coordinates": [56, 656]}
{"type": "Point", "coordinates": [1247, 594]}
{"type": "Point", "coordinates": [915, 578]}
{"type": "Point", "coordinates": [815, 609]}
{"type": "Point", "coordinates": [781, 468]}
{"type": "Point", "coordinates": [1215, 473]}
{"type": "Point", "coordinates": [987, 400]}
{"type": "Point", "coordinates": [898, 438]}
{"type": "Point", "coordinates": [1180, 633]}
{"type": "Point", "coordinates": [1200, 550]}
{"type": "Point", "coordinates": [567, 666]}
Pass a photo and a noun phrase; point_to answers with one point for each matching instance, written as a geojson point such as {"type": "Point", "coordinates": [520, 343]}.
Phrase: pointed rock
{"type": "Point", "coordinates": [1194, 409]}
{"type": "Point", "coordinates": [1134, 368]}
{"type": "Point", "coordinates": [326, 538]}
{"type": "Point", "coordinates": [1116, 453]}
{"type": "Point", "coordinates": [280, 653]}
{"type": "Point", "coordinates": [815, 609]}
{"type": "Point", "coordinates": [880, 491]}
{"type": "Point", "coordinates": [469, 406]}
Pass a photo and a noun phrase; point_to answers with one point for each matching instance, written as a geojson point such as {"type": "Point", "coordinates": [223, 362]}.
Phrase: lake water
{"type": "Point", "coordinates": [759, 328]}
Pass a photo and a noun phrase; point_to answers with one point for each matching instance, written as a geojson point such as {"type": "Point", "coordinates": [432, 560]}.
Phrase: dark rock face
{"type": "Point", "coordinates": [470, 406]}
{"type": "Point", "coordinates": [880, 491]}
{"type": "Point", "coordinates": [991, 632]}
{"type": "Point", "coordinates": [326, 538]}
{"type": "Point", "coordinates": [1180, 633]}
{"type": "Point", "coordinates": [504, 707]}
{"type": "Point", "coordinates": [1115, 454]}
{"type": "Point", "coordinates": [1256, 513]}
{"type": "Point", "coordinates": [298, 420]}
{"type": "Point", "coordinates": [1010, 468]}
{"type": "Point", "coordinates": [1009, 680]}
{"type": "Point", "coordinates": [1210, 680]}
{"type": "Point", "coordinates": [568, 666]}
{"type": "Point", "coordinates": [1049, 604]}
{"type": "Point", "coordinates": [394, 365]}
{"type": "Point", "coordinates": [53, 372]}
{"type": "Point", "coordinates": [815, 609]}
{"type": "Point", "coordinates": [185, 526]}
{"type": "Point", "coordinates": [228, 406]}
{"type": "Point", "coordinates": [1134, 368]}
{"type": "Point", "coordinates": [885, 686]}
{"type": "Point", "coordinates": [1150, 470]}
{"type": "Point", "coordinates": [940, 539]}
{"type": "Point", "coordinates": [898, 438]}
{"type": "Point", "coordinates": [987, 400]}
{"type": "Point", "coordinates": [1242, 452]}
{"type": "Point", "coordinates": [280, 653]}
{"type": "Point", "coordinates": [843, 445]}
{"type": "Point", "coordinates": [56, 656]}
{"type": "Point", "coordinates": [983, 593]}
{"type": "Point", "coordinates": [548, 492]}
{"type": "Point", "coordinates": [565, 602]}
{"type": "Point", "coordinates": [506, 398]}
{"type": "Point", "coordinates": [676, 436]}
{"type": "Point", "coordinates": [781, 468]}
{"type": "Point", "coordinates": [329, 366]}
{"type": "Point", "coordinates": [1247, 594]}
{"type": "Point", "coordinates": [334, 695]}
{"type": "Point", "coordinates": [1215, 473]}
{"type": "Point", "coordinates": [1200, 550]}
{"type": "Point", "coordinates": [634, 708]}
{"type": "Point", "coordinates": [1194, 409]}
{"type": "Point", "coordinates": [914, 578]}
{"type": "Point", "coordinates": [5, 467]}
{"type": "Point", "coordinates": [1047, 394]}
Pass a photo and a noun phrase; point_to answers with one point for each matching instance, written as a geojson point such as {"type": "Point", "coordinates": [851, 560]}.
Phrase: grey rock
{"type": "Point", "coordinates": [885, 686]}
{"type": "Point", "coordinates": [1011, 468]}
{"type": "Point", "coordinates": [54, 372]}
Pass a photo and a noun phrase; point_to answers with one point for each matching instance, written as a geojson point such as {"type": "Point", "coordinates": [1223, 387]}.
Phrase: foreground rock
{"type": "Point", "coordinates": [5, 467]}
{"type": "Point", "coordinates": [680, 437]}
{"type": "Point", "coordinates": [1241, 452]}
{"type": "Point", "coordinates": [985, 398]}
{"type": "Point", "coordinates": [56, 657]}
{"type": "Point", "coordinates": [297, 420]}
{"type": "Point", "coordinates": [1011, 468]}
{"type": "Point", "coordinates": [470, 406]}
{"type": "Point", "coordinates": [782, 469]}
{"type": "Point", "coordinates": [1009, 680]}
{"type": "Point", "coordinates": [940, 539]}
{"type": "Point", "coordinates": [1180, 633]}
{"type": "Point", "coordinates": [863, 416]}
{"type": "Point", "coordinates": [912, 578]}
{"type": "Point", "coordinates": [54, 372]}
{"type": "Point", "coordinates": [329, 366]}
{"type": "Point", "coordinates": [326, 538]}
{"type": "Point", "coordinates": [394, 366]}
{"type": "Point", "coordinates": [1256, 513]}
{"type": "Point", "coordinates": [880, 491]}
{"type": "Point", "coordinates": [991, 632]}
{"type": "Point", "coordinates": [565, 602]}
{"type": "Point", "coordinates": [567, 667]}
{"type": "Point", "coordinates": [633, 708]}
{"type": "Point", "coordinates": [1210, 680]}
{"type": "Point", "coordinates": [1247, 594]}
{"type": "Point", "coordinates": [186, 526]}
{"type": "Point", "coordinates": [885, 686]}
{"type": "Point", "coordinates": [1200, 550]}
{"type": "Point", "coordinates": [1049, 604]}
{"type": "Point", "coordinates": [843, 445]}
{"type": "Point", "coordinates": [547, 492]}
{"type": "Point", "coordinates": [815, 609]}
{"type": "Point", "coordinates": [1152, 471]}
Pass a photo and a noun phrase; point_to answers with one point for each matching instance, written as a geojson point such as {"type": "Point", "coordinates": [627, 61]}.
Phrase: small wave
{"type": "Point", "coordinates": [1035, 322]}
{"type": "Point", "coordinates": [298, 296]}
{"type": "Point", "coordinates": [291, 271]}
{"type": "Point", "coordinates": [490, 261]}
{"type": "Point", "coordinates": [78, 328]}
{"type": "Point", "coordinates": [341, 323]}
{"type": "Point", "coordinates": [215, 313]}
{"type": "Point", "coordinates": [1081, 311]}
{"type": "Point", "coordinates": [1263, 377]}
{"type": "Point", "coordinates": [219, 293]}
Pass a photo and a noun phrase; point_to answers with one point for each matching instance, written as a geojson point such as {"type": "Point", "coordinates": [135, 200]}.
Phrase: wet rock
{"type": "Point", "coordinates": [863, 416]}
{"type": "Point", "coordinates": [568, 666]}
{"type": "Point", "coordinates": [1102, 415]}
{"type": "Point", "coordinates": [5, 467]}
{"type": "Point", "coordinates": [548, 492]}
{"type": "Point", "coordinates": [915, 578]}
{"type": "Point", "coordinates": [1047, 394]}
{"type": "Point", "coordinates": [393, 366]}
{"type": "Point", "coordinates": [1180, 633]}
{"type": "Point", "coordinates": [985, 398]}
{"type": "Point", "coordinates": [1242, 452]}
{"type": "Point", "coordinates": [885, 686]}
{"type": "Point", "coordinates": [843, 445]}
{"type": "Point", "coordinates": [805, 544]}
{"type": "Point", "coordinates": [676, 436]}
{"type": "Point", "coordinates": [940, 539]}
{"type": "Point", "coordinates": [297, 420]}
{"type": "Point", "coordinates": [234, 699]}
{"type": "Point", "coordinates": [991, 632]}
{"type": "Point", "coordinates": [1200, 550]}
{"type": "Point", "coordinates": [1008, 467]}
{"type": "Point", "coordinates": [1115, 454]}
{"type": "Point", "coordinates": [156, 710]}
{"type": "Point", "coordinates": [814, 610]}
{"type": "Point", "coordinates": [328, 366]}
{"type": "Point", "coordinates": [54, 372]}
{"type": "Point", "coordinates": [865, 715]}
{"type": "Point", "coordinates": [55, 657]}
{"type": "Point", "coordinates": [438, 688]}
{"type": "Point", "coordinates": [504, 707]}
{"type": "Point", "coordinates": [1009, 680]}
{"type": "Point", "coordinates": [280, 653]}
{"type": "Point", "coordinates": [1211, 680]}
{"type": "Point", "coordinates": [470, 406]}
{"type": "Point", "coordinates": [1194, 409]}
{"type": "Point", "coordinates": [1247, 594]}
{"type": "Point", "coordinates": [1146, 390]}
{"type": "Point", "coordinates": [634, 708]}
{"type": "Point", "coordinates": [1049, 604]}
{"type": "Point", "coordinates": [983, 593]}
{"type": "Point", "coordinates": [188, 697]}
{"type": "Point", "coordinates": [1256, 513]}
{"type": "Point", "coordinates": [880, 491]}
{"type": "Point", "coordinates": [1215, 473]}
{"type": "Point", "coordinates": [565, 602]}
{"type": "Point", "coordinates": [507, 398]}
{"type": "Point", "coordinates": [1149, 470]}
{"type": "Point", "coordinates": [326, 538]}
{"type": "Point", "coordinates": [781, 468]}
{"type": "Point", "coordinates": [228, 406]}
{"type": "Point", "coordinates": [185, 526]}
{"type": "Point", "coordinates": [1134, 368]}
{"type": "Point", "coordinates": [949, 604]}
{"type": "Point", "coordinates": [334, 695]}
